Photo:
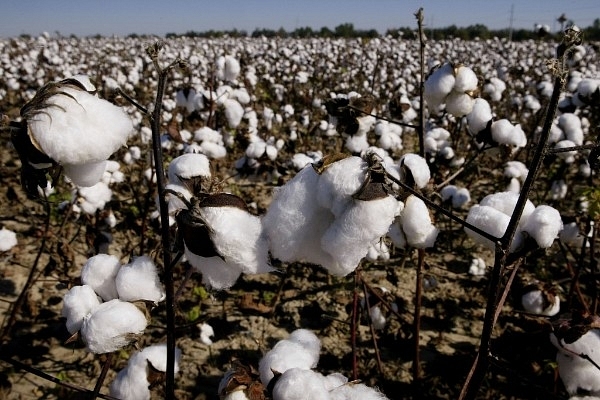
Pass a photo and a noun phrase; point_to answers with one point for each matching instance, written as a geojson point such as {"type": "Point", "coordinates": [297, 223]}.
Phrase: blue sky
{"type": "Point", "coordinates": [108, 17]}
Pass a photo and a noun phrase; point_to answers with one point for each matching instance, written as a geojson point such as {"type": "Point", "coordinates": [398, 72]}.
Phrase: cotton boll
{"type": "Point", "coordinates": [233, 112]}
{"type": "Point", "coordinates": [356, 391]}
{"type": "Point", "coordinates": [300, 384]}
{"type": "Point", "coordinates": [213, 150]}
{"type": "Point", "coordinates": [571, 235]}
{"type": "Point", "coordinates": [188, 166]}
{"type": "Point", "coordinates": [505, 202]}
{"type": "Point", "coordinates": [338, 182]}
{"type": "Point", "coordinates": [206, 332]}
{"type": "Point", "coordinates": [356, 143]}
{"type": "Point", "coordinates": [416, 223]}
{"type": "Point", "coordinates": [461, 198]}
{"type": "Point", "coordinates": [535, 301]}
{"type": "Point", "coordinates": [438, 85]}
{"type": "Point", "coordinates": [77, 127]}
{"type": "Point", "coordinates": [78, 302]}
{"type": "Point", "coordinates": [8, 239]}
{"type": "Point", "coordinates": [480, 115]}
{"type": "Point", "coordinates": [216, 273]}
{"type": "Point", "coordinates": [111, 326]}
{"type": "Point", "coordinates": [477, 267]}
{"type": "Point", "coordinates": [515, 169]}
{"type": "Point", "coordinates": [396, 235]}
{"type": "Point", "coordinates": [489, 220]}
{"type": "Point", "coordinates": [558, 190]}
{"type": "Point", "coordinates": [85, 175]}
{"type": "Point", "coordinates": [139, 281]}
{"type": "Point", "coordinates": [504, 132]}
{"type": "Point", "coordinates": [349, 237]}
{"type": "Point", "coordinates": [99, 272]}
{"type": "Point", "coordinates": [466, 80]}
{"type": "Point", "coordinates": [418, 168]}
{"type": "Point", "coordinates": [543, 225]}
{"type": "Point", "coordinates": [567, 156]}
{"type": "Point", "coordinates": [307, 339]}
{"type": "Point", "coordinates": [459, 104]}
{"type": "Point", "coordinates": [94, 198]}
{"type": "Point", "coordinates": [577, 373]}
{"type": "Point", "coordinates": [283, 356]}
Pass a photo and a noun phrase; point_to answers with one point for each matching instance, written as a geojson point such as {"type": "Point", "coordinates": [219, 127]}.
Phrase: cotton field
{"type": "Point", "coordinates": [324, 221]}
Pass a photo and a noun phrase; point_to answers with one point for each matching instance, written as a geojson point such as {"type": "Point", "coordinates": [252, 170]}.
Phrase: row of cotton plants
{"type": "Point", "coordinates": [282, 111]}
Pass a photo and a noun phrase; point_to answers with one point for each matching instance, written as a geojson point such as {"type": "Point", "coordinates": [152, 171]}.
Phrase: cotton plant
{"type": "Point", "coordinates": [540, 299]}
{"type": "Point", "coordinates": [330, 213]}
{"type": "Point", "coordinates": [68, 124]}
{"type": "Point", "coordinates": [144, 368]}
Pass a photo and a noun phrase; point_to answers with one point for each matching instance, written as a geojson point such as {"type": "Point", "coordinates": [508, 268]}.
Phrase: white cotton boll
{"type": "Point", "coordinates": [216, 273]}
{"type": "Point", "coordinates": [416, 223]}
{"type": "Point", "coordinates": [489, 220]}
{"type": "Point", "coordinates": [575, 136]}
{"type": "Point", "coordinates": [139, 281]}
{"type": "Point", "coordinates": [77, 127]}
{"type": "Point", "coordinates": [418, 168]}
{"type": "Point", "coordinates": [447, 192]}
{"type": "Point", "coordinates": [295, 222]}
{"type": "Point", "coordinates": [558, 190]}
{"type": "Point", "coordinates": [567, 156]}
{"type": "Point", "coordinates": [206, 332]}
{"type": "Point", "coordinates": [85, 175]}
{"type": "Point", "coordinates": [207, 134]}
{"type": "Point", "coordinates": [356, 143]}
{"type": "Point", "coordinates": [543, 225]}
{"type": "Point", "coordinates": [231, 68]}
{"type": "Point", "coordinates": [300, 160]}
{"type": "Point", "coordinates": [283, 356]}
{"type": "Point", "coordinates": [78, 302]}
{"type": "Point", "coordinates": [238, 237]}
{"type": "Point", "coordinates": [447, 153]}
{"type": "Point", "coordinates": [356, 391]}
{"type": "Point", "coordinates": [307, 339]}
{"type": "Point", "coordinates": [438, 85]}
{"type": "Point", "coordinates": [233, 112]}
{"type": "Point", "coordinates": [480, 115]}
{"type": "Point", "coordinates": [188, 166]}
{"type": "Point", "coordinates": [256, 149]}
{"type": "Point", "coordinates": [515, 169]}
{"type": "Point", "coordinates": [94, 198]}
{"type": "Point", "coordinates": [571, 235]}
{"type": "Point", "coordinates": [466, 80]}
{"type": "Point", "coordinates": [300, 384]}
{"type": "Point", "coordinates": [459, 104]}
{"type": "Point", "coordinates": [174, 203]}
{"type": "Point", "coordinates": [504, 132]}
{"type": "Point", "coordinates": [352, 233]}
{"type": "Point", "coordinates": [461, 198]}
{"type": "Point", "coordinates": [99, 272]}
{"type": "Point", "coordinates": [111, 326]}
{"type": "Point", "coordinates": [271, 152]}
{"type": "Point", "coordinates": [505, 202]}
{"type": "Point", "coordinates": [365, 124]}
{"type": "Point", "coordinates": [339, 182]}
{"type": "Point", "coordinates": [241, 95]}
{"type": "Point", "coordinates": [396, 235]}
{"type": "Point", "coordinates": [157, 356]}
{"type": "Point", "coordinates": [576, 372]}
{"type": "Point", "coordinates": [533, 302]}
{"type": "Point", "coordinates": [477, 267]}
{"type": "Point", "coordinates": [8, 239]}
{"type": "Point", "coordinates": [378, 251]}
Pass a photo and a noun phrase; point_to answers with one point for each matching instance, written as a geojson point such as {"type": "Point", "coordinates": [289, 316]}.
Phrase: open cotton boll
{"type": "Point", "coordinates": [515, 169]}
{"type": "Point", "coordinates": [100, 272]}
{"type": "Point", "coordinates": [477, 267]}
{"type": "Point", "coordinates": [8, 239]}
{"type": "Point", "coordinates": [188, 166]}
{"type": "Point", "coordinates": [230, 68]}
{"type": "Point", "coordinates": [416, 223]}
{"type": "Point", "coordinates": [206, 332]}
{"type": "Point", "coordinates": [567, 156]}
{"type": "Point", "coordinates": [77, 127]}
{"type": "Point", "coordinates": [543, 225]}
{"type": "Point", "coordinates": [300, 384]}
{"type": "Point", "coordinates": [238, 237]}
{"type": "Point", "coordinates": [577, 373]}
{"type": "Point", "coordinates": [233, 112]}
{"type": "Point", "coordinates": [480, 116]}
{"type": "Point", "coordinates": [295, 222]}
{"type": "Point", "coordinates": [216, 273]}
{"type": "Point", "coordinates": [466, 80]}
{"type": "Point", "coordinates": [439, 85]}
{"type": "Point", "coordinates": [356, 391]}
{"type": "Point", "coordinates": [94, 198]}
{"type": "Point", "coordinates": [418, 168]}
{"type": "Point", "coordinates": [489, 220]}
{"type": "Point", "coordinates": [131, 382]}
{"type": "Point", "coordinates": [78, 302]}
{"type": "Point", "coordinates": [85, 175]}
{"type": "Point", "coordinates": [504, 132]}
{"type": "Point", "coordinates": [139, 281]}
{"type": "Point", "coordinates": [300, 350]}
{"type": "Point", "coordinates": [505, 202]}
{"type": "Point", "coordinates": [111, 326]}
{"type": "Point", "coordinates": [459, 104]}
{"type": "Point", "coordinates": [534, 301]}
{"type": "Point", "coordinates": [338, 182]}
{"type": "Point", "coordinates": [352, 233]}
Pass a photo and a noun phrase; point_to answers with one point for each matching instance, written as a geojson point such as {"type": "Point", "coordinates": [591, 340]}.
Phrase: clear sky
{"type": "Point", "coordinates": [122, 17]}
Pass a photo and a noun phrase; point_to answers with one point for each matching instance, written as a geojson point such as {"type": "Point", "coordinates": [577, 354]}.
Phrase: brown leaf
{"type": "Point", "coordinates": [248, 303]}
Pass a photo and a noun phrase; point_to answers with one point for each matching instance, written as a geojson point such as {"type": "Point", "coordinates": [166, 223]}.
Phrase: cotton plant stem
{"type": "Point", "coordinates": [102, 377]}
{"type": "Point", "coordinates": [416, 366]}
{"type": "Point", "coordinates": [479, 369]}
{"type": "Point", "coordinates": [164, 217]}
{"type": "Point", "coordinates": [354, 326]}
{"type": "Point", "coordinates": [373, 333]}
{"type": "Point", "coordinates": [422, 40]}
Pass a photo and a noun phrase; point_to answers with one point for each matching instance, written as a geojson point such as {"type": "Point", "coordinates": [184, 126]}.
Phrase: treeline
{"type": "Point", "coordinates": [347, 30]}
